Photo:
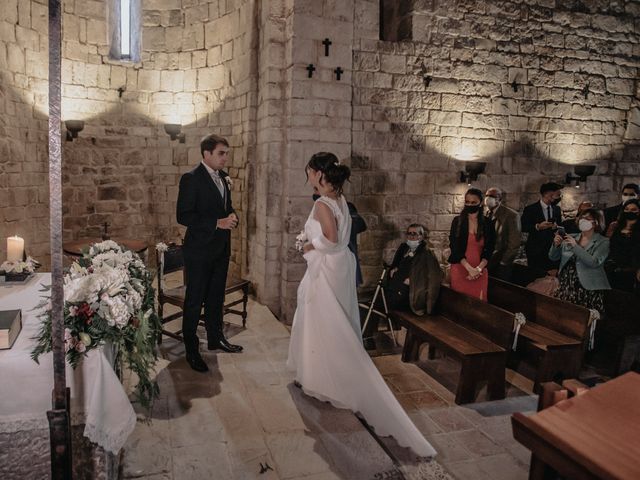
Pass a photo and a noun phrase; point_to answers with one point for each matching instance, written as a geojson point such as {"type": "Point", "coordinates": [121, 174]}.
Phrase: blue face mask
{"type": "Point", "coordinates": [413, 244]}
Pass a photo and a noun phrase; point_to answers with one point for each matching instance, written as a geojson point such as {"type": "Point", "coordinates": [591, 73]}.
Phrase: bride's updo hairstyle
{"type": "Point", "coordinates": [333, 171]}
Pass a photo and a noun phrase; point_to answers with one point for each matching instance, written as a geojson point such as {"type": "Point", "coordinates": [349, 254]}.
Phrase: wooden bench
{"type": "Point", "coordinates": [474, 332]}
{"type": "Point", "coordinates": [553, 338]}
{"type": "Point", "coordinates": [618, 332]}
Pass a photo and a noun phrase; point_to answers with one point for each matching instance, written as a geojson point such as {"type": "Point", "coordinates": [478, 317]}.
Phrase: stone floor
{"type": "Point", "coordinates": [245, 419]}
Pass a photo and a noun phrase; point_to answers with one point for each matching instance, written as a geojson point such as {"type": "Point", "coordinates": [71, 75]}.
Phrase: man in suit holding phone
{"type": "Point", "coordinates": [204, 207]}
{"type": "Point", "coordinates": [539, 220]}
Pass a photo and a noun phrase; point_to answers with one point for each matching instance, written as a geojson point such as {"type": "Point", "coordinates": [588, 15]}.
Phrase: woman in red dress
{"type": "Point", "coordinates": [472, 239]}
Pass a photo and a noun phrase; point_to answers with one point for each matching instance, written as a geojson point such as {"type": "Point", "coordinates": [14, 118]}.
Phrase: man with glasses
{"type": "Point", "coordinates": [507, 227]}
{"type": "Point", "coordinates": [414, 279]}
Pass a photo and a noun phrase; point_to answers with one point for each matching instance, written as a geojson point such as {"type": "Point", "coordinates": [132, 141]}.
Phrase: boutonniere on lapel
{"type": "Point", "coordinates": [229, 181]}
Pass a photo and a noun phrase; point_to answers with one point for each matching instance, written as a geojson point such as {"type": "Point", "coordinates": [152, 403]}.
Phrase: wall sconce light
{"type": "Point", "coordinates": [471, 171]}
{"type": "Point", "coordinates": [73, 127]}
{"type": "Point", "coordinates": [585, 90]}
{"type": "Point", "coordinates": [173, 130]}
{"type": "Point", "coordinates": [579, 175]}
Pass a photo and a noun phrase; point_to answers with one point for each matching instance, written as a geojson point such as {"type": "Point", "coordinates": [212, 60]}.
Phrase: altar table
{"type": "Point", "coordinates": [98, 399]}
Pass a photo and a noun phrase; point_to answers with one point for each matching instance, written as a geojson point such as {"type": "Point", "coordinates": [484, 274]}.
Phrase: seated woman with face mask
{"type": "Point", "coordinates": [582, 276]}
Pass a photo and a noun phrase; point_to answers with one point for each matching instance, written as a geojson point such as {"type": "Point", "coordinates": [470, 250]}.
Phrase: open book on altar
{"type": "Point", "coordinates": [10, 326]}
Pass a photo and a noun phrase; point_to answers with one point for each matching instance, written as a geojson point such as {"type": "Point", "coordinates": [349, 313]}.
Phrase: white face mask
{"type": "Point", "coordinates": [627, 197]}
{"type": "Point", "coordinates": [413, 244]}
{"type": "Point", "coordinates": [491, 202]}
{"type": "Point", "coordinates": [585, 225]}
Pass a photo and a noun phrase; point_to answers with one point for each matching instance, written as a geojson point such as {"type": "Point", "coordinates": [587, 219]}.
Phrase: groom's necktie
{"type": "Point", "coordinates": [549, 214]}
{"type": "Point", "coordinates": [218, 181]}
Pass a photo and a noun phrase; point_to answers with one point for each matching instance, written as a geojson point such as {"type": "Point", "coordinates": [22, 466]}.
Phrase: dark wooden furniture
{"type": "Point", "coordinates": [553, 338]}
{"type": "Point", "coordinates": [593, 435]}
{"type": "Point", "coordinates": [76, 248]}
{"type": "Point", "coordinates": [618, 332]}
{"type": "Point", "coordinates": [173, 261]}
{"type": "Point", "coordinates": [475, 332]}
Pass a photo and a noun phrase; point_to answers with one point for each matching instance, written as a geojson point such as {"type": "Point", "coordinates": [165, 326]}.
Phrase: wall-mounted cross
{"type": "Point", "coordinates": [311, 69]}
{"type": "Point", "coordinates": [338, 71]}
{"type": "Point", "coordinates": [327, 43]}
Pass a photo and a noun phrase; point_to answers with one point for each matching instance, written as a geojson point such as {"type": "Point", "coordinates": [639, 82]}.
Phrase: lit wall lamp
{"type": "Point", "coordinates": [471, 171]}
{"type": "Point", "coordinates": [73, 128]}
{"type": "Point", "coordinates": [173, 130]}
{"type": "Point", "coordinates": [579, 175]}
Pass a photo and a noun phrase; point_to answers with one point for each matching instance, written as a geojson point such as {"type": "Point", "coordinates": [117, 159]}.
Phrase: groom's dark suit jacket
{"type": "Point", "coordinates": [200, 205]}
{"type": "Point", "coordinates": [206, 252]}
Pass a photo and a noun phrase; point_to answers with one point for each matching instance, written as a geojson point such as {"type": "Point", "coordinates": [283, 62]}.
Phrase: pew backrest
{"type": "Point", "coordinates": [563, 317]}
{"type": "Point", "coordinates": [491, 321]}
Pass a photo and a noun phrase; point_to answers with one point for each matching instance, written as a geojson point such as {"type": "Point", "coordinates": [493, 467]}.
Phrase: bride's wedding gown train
{"type": "Point", "coordinates": [326, 350]}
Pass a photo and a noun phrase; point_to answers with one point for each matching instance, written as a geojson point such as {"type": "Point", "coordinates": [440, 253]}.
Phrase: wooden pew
{"type": "Point", "coordinates": [555, 333]}
{"type": "Point", "coordinates": [618, 332]}
{"type": "Point", "coordinates": [476, 333]}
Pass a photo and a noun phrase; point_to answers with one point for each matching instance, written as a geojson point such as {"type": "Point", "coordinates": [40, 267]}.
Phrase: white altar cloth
{"type": "Point", "coordinates": [97, 397]}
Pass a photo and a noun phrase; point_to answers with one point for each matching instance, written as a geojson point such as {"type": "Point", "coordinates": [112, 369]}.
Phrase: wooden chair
{"type": "Point", "coordinates": [173, 261]}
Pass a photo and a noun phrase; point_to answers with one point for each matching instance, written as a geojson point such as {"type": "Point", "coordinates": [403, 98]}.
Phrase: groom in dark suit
{"type": "Point", "coordinates": [204, 207]}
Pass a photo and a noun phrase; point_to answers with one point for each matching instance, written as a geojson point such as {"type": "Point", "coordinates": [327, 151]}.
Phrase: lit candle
{"type": "Point", "coordinates": [15, 249]}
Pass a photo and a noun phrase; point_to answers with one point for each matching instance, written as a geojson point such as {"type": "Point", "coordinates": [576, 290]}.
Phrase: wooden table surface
{"type": "Point", "coordinates": [593, 435]}
{"type": "Point", "coordinates": [76, 247]}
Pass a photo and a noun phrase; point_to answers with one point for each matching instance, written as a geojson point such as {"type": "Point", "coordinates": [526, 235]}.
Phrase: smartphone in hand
{"type": "Point", "coordinates": [561, 231]}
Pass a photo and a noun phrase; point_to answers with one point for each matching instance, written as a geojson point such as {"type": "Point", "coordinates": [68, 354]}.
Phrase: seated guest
{"type": "Point", "coordinates": [539, 220]}
{"type": "Point", "coordinates": [629, 192]}
{"type": "Point", "coordinates": [472, 241]}
{"type": "Point", "coordinates": [623, 264]}
{"type": "Point", "coordinates": [570, 225]}
{"type": "Point", "coordinates": [582, 277]}
{"type": "Point", "coordinates": [507, 228]}
{"type": "Point", "coordinates": [414, 279]}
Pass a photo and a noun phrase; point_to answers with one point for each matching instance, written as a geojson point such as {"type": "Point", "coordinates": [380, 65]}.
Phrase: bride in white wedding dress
{"type": "Point", "coordinates": [326, 350]}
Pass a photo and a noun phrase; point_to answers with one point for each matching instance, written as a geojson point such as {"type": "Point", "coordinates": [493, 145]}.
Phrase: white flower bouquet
{"type": "Point", "coordinates": [301, 239]}
{"type": "Point", "coordinates": [108, 297]}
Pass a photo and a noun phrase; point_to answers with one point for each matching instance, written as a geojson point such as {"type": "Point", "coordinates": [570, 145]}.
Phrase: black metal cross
{"type": "Point", "coordinates": [338, 71]}
{"type": "Point", "coordinates": [326, 42]}
{"type": "Point", "coordinates": [311, 69]}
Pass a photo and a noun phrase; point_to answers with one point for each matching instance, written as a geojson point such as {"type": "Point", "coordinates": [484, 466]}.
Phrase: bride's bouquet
{"type": "Point", "coordinates": [301, 239]}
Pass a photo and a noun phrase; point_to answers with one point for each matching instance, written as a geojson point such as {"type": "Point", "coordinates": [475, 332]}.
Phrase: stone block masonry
{"type": "Point", "coordinates": [531, 88]}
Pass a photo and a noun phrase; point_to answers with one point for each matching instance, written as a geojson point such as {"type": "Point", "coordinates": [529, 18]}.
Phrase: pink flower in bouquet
{"type": "Point", "coordinates": [81, 347]}
{"type": "Point", "coordinates": [73, 310]}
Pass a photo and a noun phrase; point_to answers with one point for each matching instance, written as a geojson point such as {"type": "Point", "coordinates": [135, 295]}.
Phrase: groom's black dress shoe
{"type": "Point", "coordinates": [196, 362]}
{"type": "Point", "coordinates": [222, 344]}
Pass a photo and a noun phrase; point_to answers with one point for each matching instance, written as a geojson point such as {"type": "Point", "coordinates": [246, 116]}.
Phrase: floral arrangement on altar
{"type": "Point", "coordinates": [24, 267]}
{"type": "Point", "coordinates": [108, 298]}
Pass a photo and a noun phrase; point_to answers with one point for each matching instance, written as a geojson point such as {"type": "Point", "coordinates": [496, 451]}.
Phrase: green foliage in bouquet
{"type": "Point", "coordinates": [109, 299]}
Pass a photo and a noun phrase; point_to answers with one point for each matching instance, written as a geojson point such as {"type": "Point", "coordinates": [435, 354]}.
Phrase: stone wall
{"type": "Point", "coordinates": [196, 70]}
{"type": "Point", "coordinates": [23, 127]}
{"type": "Point", "coordinates": [532, 88]}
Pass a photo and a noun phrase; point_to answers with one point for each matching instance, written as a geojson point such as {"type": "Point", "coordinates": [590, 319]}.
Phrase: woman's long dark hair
{"type": "Point", "coordinates": [333, 172]}
{"type": "Point", "coordinates": [463, 222]}
{"type": "Point", "coordinates": [622, 222]}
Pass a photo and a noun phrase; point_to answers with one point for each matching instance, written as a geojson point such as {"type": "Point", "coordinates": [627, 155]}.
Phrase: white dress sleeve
{"type": "Point", "coordinates": [320, 242]}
